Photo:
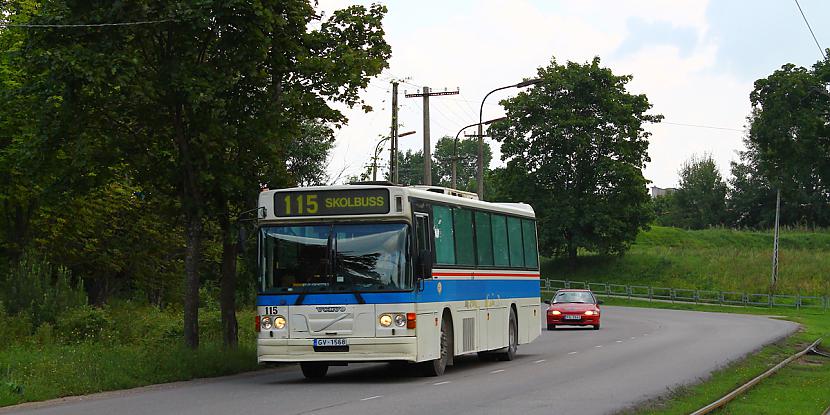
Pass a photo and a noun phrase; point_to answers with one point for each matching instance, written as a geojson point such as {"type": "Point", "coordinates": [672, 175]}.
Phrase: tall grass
{"type": "Point", "coordinates": [714, 259]}
{"type": "Point", "coordinates": [135, 345]}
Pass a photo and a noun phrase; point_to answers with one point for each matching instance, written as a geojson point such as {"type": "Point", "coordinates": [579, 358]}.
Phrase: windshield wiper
{"type": "Point", "coordinates": [328, 269]}
{"type": "Point", "coordinates": [354, 289]}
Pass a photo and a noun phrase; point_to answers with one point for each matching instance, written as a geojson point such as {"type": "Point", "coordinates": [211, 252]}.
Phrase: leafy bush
{"type": "Point", "coordinates": [44, 335]}
{"type": "Point", "coordinates": [13, 329]}
{"type": "Point", "coordinates": [84, 323]}
{"type": "Point", "coordinates": [36, 288]}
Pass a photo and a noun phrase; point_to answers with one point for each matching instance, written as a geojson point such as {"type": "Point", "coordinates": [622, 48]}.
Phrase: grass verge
{"type": "Point", "coordinates": [32, 370]}
{"type": "Point", "coordinates": [802, 387]}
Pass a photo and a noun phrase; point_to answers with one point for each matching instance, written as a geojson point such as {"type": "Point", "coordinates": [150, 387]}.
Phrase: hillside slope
{"type": "Point", "coordinates": [712, 259]}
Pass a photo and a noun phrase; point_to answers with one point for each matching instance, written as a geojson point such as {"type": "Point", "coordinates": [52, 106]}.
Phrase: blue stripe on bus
{"type": "Point", "coordinates": [451, 290]}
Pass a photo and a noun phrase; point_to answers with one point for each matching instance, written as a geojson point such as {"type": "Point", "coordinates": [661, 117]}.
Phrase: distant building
{"type": "Point", "coordinates": [658, 191]}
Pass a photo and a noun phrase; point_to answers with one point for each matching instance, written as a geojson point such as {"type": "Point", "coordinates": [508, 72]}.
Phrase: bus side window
{"type": "Point", "coordinates": [421, 227]}
{"type": "Point", "coordinates": [423, 247]}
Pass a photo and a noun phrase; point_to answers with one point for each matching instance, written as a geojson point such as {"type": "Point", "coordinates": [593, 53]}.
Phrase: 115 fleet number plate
{"type": "Point", "coordinates": [330, 342]}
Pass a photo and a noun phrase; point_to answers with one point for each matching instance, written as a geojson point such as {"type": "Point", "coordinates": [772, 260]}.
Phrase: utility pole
{"type": "Point", "coordinates": [427, 152]}
{"type": "Point", "coordinates": [393, 134]}
{"type": "Point", "coordinates": [774, 279]}
{"type": "Point", "coordinates": [427, 146]}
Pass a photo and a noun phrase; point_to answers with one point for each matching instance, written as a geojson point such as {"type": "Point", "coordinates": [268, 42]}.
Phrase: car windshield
{"type": "Point", "coordinates": [334, 258]}
{"type": "Point", "coordinates": [574, 297]}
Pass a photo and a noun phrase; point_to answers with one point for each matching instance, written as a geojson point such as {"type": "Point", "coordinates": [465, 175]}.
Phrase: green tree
{"type": "Point", "coordinates": [751, 201]}
{"type": "Point", "coordinates": [789, 140]}
{"type": "Point", "coordinates": [308, 154]}
{"type": "Point", "coordinates": [411, 168]}
{"type": "Point", "coordinates": [203, 106]}
{"type": "Point", "coordinates": [411, 164]}
{"type": "Point", "coordinates": [665, 211]}
{"type": "Point", "coordinates": [466, 169]}
{"type": "Point", "coordinates": [575, 149]}
{"type": "Point", "coordinates": [117, 239]}
{"type": "Point", "coordinates": [700, 201]}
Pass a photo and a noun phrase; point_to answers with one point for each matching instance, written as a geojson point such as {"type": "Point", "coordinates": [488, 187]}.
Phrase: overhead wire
{"type": "Point", "coordinates": [83, 25]}
{"type": "Point", "coordinates": [701, 126]}
{"type": "Point", "coordinates": [823, 55]}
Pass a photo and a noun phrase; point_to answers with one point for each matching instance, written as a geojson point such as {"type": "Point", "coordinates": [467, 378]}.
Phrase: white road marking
{"type": "Point", "coordinates": [645, 334]}
{"type": "Point", "coordinates": [371, 397]}
{"type": "Point", "coordinates": [619, 341]}
{"type": "Point", "coordinates": [441, 383]}
{"type": "Point", "coordinates": [633, 338]}
{"type": "Point", "coordinates": [539, 361]}
{"type": "Point", "coordinates": [497, 371]}
{"type": "Point", "coordinates": [598, 346]}
{"type": "Point", "coordinates": [573, 352]}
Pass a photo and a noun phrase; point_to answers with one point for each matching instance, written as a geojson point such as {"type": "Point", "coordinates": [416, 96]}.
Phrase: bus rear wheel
{"type": "Point", "coordinates": [436, 367]}
{"type": "Point", "coordinates": [314, 370]}
{"type": "Point", "coordinates": [509, 353]}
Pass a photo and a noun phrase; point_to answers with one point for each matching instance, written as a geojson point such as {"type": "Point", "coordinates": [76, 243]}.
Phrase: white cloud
{"type": "Point", "coordinates": [494, 43]}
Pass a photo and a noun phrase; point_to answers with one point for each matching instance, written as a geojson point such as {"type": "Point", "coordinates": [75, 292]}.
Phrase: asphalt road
{"type": "Point", "coordinates": [636, 355]}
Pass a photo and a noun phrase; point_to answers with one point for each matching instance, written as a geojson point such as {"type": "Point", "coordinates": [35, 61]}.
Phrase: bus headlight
{"type": "Point", "coordinates": [400, 320]}
{"type": "Point", "coordinates": [385, 320]}
{"type": "Point", "coordinates": [266, 322]}
{"type": "Point", "coordinates": [279, 322]}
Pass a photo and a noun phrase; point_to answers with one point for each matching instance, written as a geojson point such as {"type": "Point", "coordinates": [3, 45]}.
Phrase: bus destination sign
{"type": "Point", "coordinates": [331, 202]}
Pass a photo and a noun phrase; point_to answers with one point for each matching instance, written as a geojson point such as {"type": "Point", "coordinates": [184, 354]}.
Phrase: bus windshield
{"type": "Point", "coordinates": [335, 258]}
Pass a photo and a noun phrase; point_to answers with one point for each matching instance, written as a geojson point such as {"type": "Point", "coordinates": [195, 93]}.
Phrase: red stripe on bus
{"type": "Point", "coordinates": [482, 274]}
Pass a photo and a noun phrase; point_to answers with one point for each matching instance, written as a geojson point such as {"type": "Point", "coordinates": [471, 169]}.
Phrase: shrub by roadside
{"type": "Point", "coordinates": [53, 344]}
{"type": "Point", "coordinates": [117, 347]}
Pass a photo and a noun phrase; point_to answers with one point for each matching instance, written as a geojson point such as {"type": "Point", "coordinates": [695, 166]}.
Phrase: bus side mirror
{"type": "Point", "coordinates": [425, 263]}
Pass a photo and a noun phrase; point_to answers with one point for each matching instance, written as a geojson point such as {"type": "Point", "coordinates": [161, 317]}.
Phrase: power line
{"type": "Point", "coordinates": [71, 26]}
{"type": "Point", "coordinates": [701, 126]}
{"type": "Point", "coordinates": [811, 30]}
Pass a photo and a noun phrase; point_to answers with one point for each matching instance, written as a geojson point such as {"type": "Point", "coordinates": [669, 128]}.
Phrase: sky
{"type": "Point", "coordinates": [695, 60]}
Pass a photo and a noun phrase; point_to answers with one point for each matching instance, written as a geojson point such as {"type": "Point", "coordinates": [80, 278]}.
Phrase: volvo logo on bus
{"type": "Point", "coordinates": [337, 309]}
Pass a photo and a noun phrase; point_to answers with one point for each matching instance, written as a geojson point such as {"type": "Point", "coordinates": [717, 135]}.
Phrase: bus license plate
{"type": "Point", "coordinates": [330, 342]}
{"type": "Point", "coordinates": [572, 317]}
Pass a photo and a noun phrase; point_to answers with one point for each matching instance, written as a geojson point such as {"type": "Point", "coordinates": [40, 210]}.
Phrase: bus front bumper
{"type": "Point", "coordinates": [360, 349]}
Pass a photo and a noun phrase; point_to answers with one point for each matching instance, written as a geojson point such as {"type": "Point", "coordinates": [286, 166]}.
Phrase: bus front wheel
{"type": "Point", "coordinates": [436, 367]}
{"type": "Point", "coordinates": [314, 370]}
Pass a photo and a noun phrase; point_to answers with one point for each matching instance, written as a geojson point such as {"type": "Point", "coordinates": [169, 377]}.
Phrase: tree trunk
{"type": "Point", "coordinates": [191, 286]}
{"type": "Point", "coordinates": [569, 239]}
{"type": "Point", "coordinates": [227, 294]}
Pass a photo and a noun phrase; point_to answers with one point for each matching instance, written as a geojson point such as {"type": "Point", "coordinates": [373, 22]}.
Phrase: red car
{"type": "Point", "coordinates": [573, 308]}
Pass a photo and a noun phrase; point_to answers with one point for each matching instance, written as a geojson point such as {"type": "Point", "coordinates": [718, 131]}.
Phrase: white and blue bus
{"type": "Point", "coordinates": [372, 273]}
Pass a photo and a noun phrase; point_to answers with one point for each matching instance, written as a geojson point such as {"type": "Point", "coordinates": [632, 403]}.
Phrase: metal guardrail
{"type": "Point", "coordinates": [732, 298]}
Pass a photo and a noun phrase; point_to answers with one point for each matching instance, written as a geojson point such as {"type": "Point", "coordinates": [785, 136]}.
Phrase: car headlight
{"type": "Point", "coordinates": [385, 320]}
{"type": "Point", "coordinates": [266, 322]}
{"type": "Point", "coordinates": [591, 313]}
{"type": "Point", "coordinates": [400, 320]}
{"type": "Point", "coordinates": [555, 312]}
{"type": "Point", "coordinates": [279, 322]}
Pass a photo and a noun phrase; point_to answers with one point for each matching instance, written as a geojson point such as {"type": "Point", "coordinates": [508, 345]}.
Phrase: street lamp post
{"type": "Point", "coordinates": [480, 174]}
{"type": "Point", "coordinates": [455, 147]}
{"type": "Point", "coordinates": [377, 149]}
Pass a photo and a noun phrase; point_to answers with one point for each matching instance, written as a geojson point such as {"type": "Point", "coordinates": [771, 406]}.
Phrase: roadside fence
{"type": "Point", "coordinates": [682, 295]}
